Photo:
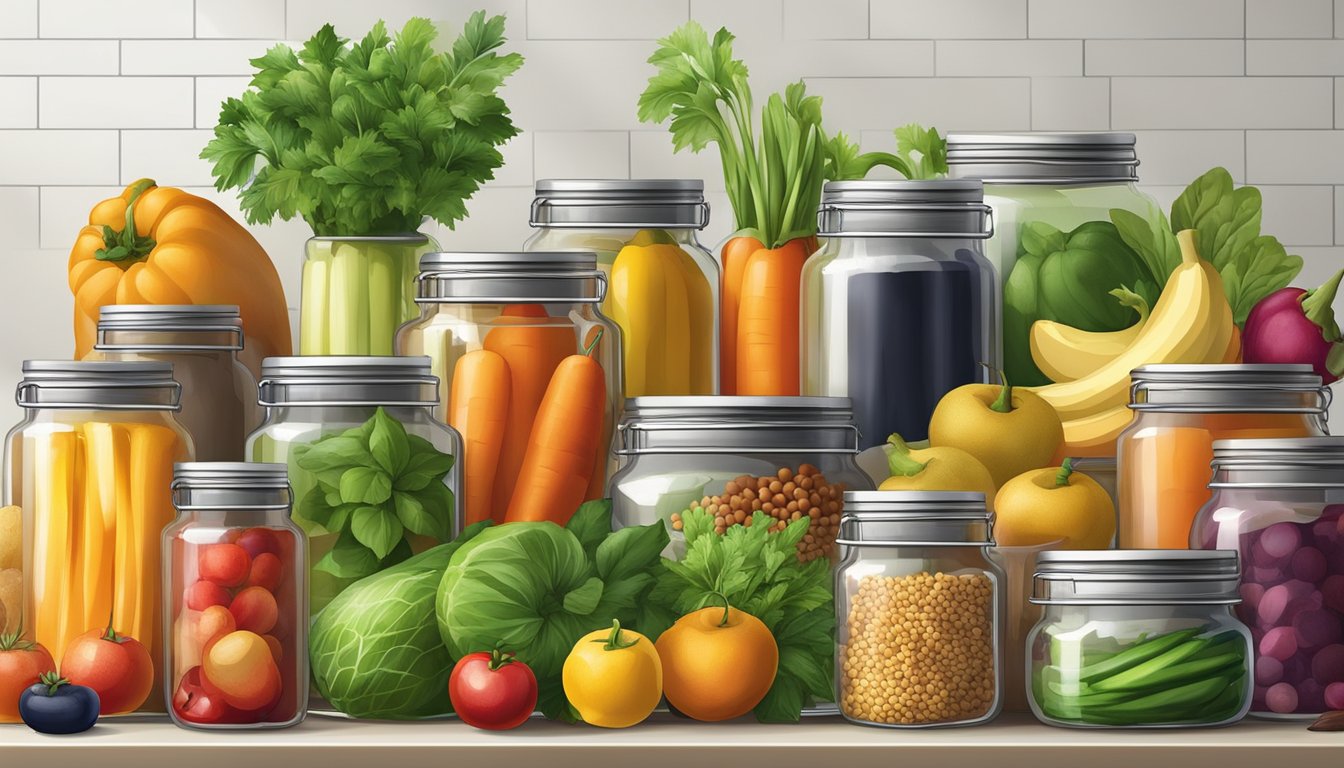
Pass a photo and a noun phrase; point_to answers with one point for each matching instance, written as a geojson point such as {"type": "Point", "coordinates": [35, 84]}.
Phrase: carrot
{"type": "Point", "coordinates": [478, 408]}
{"type": "Point", "coordinates": [563, 446]}
{"type": "Point", "coordinates": [767, 357]}
{"type": "Point", "coordinates": [532, 351]}
{"type": "Point", "coordinates": [734, 255]}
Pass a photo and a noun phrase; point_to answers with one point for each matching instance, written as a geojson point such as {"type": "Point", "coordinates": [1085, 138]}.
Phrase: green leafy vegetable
{"type": "Point", "coordinates": [758, 571]}
{"type": "Point", "coordinates": [367, 139]}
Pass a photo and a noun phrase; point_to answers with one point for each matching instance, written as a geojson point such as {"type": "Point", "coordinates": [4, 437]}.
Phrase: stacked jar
{"type": "Point", "coordinates": [1281, 504]}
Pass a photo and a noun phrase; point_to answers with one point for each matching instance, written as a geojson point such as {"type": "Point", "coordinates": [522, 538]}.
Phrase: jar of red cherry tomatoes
{"type": "Point", "coordinates": [235, 582]}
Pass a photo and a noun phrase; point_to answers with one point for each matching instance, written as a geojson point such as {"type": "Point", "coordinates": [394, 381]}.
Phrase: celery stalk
{"type": "Point", "coordinates": [348, 311]}
{"type": "Point", "coordinates": [384, 296]}
{"type": "Point", "coordinates": [314, 306]}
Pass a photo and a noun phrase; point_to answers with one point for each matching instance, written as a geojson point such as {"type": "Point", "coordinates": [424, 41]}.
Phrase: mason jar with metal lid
{"type": "Point", "coordinates": [1138, 639]}
{"type": "Point", "coordinates": [87, 472]}
{"type": "Point", "coordinates": [664, 285]}
{"type": "Point", "coordinates": [219, 394]}
{"type": "Point", "coordinates": [234, 551]}
{"type": "Point", "coordinates": [729, 457]}
{"type": "Point", "coordinates": [1179, 411]}
{"type": "Point", "coordinates": [918, 608]}
{"type": "Point", "coordinates": [899, 306]}
{"type": "Point", "coordinates": [1049, 186]}
{"type": "Point", "coordinates": [371, 418]}
{"type": "Point", "coordinates": [497, 326]}
{"type": "Point", "coordinates": [1280, 503]}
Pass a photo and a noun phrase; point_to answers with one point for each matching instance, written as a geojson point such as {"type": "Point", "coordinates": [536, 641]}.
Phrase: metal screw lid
{"type": "Point", "coordinates": [339, 380]}
{"type": "Point", "coordinates": [201, 319]}
{"type": "Point", "coordinates": [944, 208]}
{"type": "Point", "coordinates": [1228, 388]}
{"type": "Point", "coordinates": [1298, 462]}
{"type": "Point", "coordinates": [98, 385]}
{"type": "Point", "coordinates": [620, 204]}
{"type": "Point", "coordinates": [1137, 577]}
{"type": "Point", "coordinates": [728, 424]}
{"type": "Point", "coordinates": [1043, 158]}
{"type": "Point", "coordinates": [505, 277]}
{"type": "Point", "coordinates": [915, 518]}
{"type": "Point", "coordinates": [231, 485]}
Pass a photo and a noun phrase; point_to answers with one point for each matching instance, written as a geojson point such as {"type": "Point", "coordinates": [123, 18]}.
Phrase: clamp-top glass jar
{"type": "Point", "coordinates": [323, 414]}
{"type": "Point", "coordinates": [1179, 411]}
{"type": "Point", "coordinates": [1138, 639]}
{"type": "Point", "coordinates": [664, 285]}
{"type": "Point", "coordinates": [219, 394]}
{"type": "Point", "coordinates": [90, 466]}
{"type": "Point", "coordinates": [497, 327]}
{"type": "Point", "coordinates": [1281, 504]}
{"type": "Point", "coordinates": [235, 587]}
{"type": "Point", "coordinates": [899, 305]}
{"type": "Point", "coordinates": [918, 610]}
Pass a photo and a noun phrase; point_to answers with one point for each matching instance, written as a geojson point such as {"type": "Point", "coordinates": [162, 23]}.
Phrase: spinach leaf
{"type": "Point", "coordinates": [1255, 271]}
{"type": "Point", "coordinates": [1153, 241]}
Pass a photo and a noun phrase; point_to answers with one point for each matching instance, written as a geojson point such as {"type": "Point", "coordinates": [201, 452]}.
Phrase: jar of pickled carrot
{"type": "Point", "coordinates": [90, 467]}
{"type": "Point", "coordinates": [1164, 456]}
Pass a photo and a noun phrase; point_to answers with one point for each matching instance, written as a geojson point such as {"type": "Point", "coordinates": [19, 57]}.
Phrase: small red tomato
{"type": "Point", "coordinates": [204, 594]}
{"type": "Point", "coordinates": [195, 704]}
{"type": "Point", "coordinates": [258, 541]}
{"type": "Point", "coordinates": [254, 609]}
{"type": "Point", "coordinates": [492, 690]}
{"type": "Point", "coordinates": [266, 572]}
{"type": "Point", "coordinates": [225, 564]}
{"type": "Point", "coordinates": [21, 664]}
{"type": "Point", "coordinates": [117, 667]}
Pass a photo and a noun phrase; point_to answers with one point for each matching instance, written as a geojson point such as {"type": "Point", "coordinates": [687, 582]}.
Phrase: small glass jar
{"type": "Point", "coordinates": [1179, 411]}
{"type": "Point", "coordinates": [219, 394]}
{"type": "Point", "coordinates": [1281, 504]}
{"type": "Point", "coordinates": [918, 611]}
{"type": "Point", "coordinates": [663, 287]}
{"type": "Point", "coordinates": [89, 468]}
{"type": "Point", "coordinates": [900, 305]}
{"type": "Point", "coordinates": [1138, 639]}
{"type": "Point", "coordinates": [786, 456]}
{"type": "Point", "coordinates": [336, 403]}
{"type": "Point", "coordinates": [235, 586]}
{"type": "Point", "coordinates": [496, 326]}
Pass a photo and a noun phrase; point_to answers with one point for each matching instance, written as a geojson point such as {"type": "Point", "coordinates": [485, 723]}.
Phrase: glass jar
{"type": "Point", "coordinates": [235, 585]}
{"type": "Point", "coordinates": [1138, 639]}
{"type": "Point", "coordinates": [219, 394]}
{"type": "Point", "coordinates": [322, 415]}
{"type": "Point", "coordinates": [356, 291]}
{"type": "Point", "coordinates": [663, 286]}
{"type": "Point", "coordinates": [496, 327]}
{"type": "Point", "coordinates": [1281, 504]}
{"type": "Point", "coordinates": [1179, 411]}
{"type": "Point", "coordinates": [90, 466]}
{"type": "Point", "coordinates": [899, 305]}
{"type": "Point", "coordinates": [726, 455]}
{"type": "Point", "coordinates": [1049, 182]}
{"type": "Point", "coordinates": [918, 611]}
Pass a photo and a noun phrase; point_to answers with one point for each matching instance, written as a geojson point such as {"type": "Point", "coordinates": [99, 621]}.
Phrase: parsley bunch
{"type": "Point", "coordinates": [367, 139]}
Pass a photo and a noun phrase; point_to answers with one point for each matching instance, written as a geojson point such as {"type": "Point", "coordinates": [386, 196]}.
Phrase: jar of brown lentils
{"type": "Point", "coordinates": [918, 607]}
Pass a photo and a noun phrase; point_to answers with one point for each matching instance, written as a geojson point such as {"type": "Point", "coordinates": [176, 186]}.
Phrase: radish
{"type": "Point", "coordinates": [1292, 325]}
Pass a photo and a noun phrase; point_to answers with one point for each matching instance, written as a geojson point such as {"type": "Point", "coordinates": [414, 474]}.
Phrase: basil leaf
{"type": "Point", "coordinates": [365, 485]}
{"type": "Point", "coordinates": [438, 501]}
{"type": "Point", "coordinates": [376, 528]}
{"type": "Point", "coordinates": [313, 507]}
{"type": "Point", "coordinates": [337, 452]}
{"type": "Point", "coordinates": [348, 559]}
{"type": "Point", "coordinates": [413, 515]}
{"type": "Point", "coordinates": [591, 524]}
{"type": "Point", "coordinates": [583, 600]}
{"type": "Point", "coordinates": [340, 517]}
{"type": "Point", "coordinates": [630, 550]}
{"type": "Point", "coordinates": [388, 444]}
{"type": "Point", "coordinates": [422, 469]}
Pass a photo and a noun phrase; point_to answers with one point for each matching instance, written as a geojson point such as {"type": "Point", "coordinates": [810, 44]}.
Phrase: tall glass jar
{"type": "Point", "coordinates": [219, 394]}
{"type": "Point", "coordinates": [1280, 503]}
{"type": "Point", "coordinates": [496, 328]}
{"type": "Point", "coordinates": [324, 416]}
{"type": "Point", "coordinates": [918, 609]}
{"type": "Point", "coordinates": [89, 468]}
{"type": "Point", "coordinates": [235, 585]}
{"type": "Point", "coordinates": [1138, 639]}
{"type": "Point", "coordinates": [789, 457]}
{"type": "Point", "coordinates": [1048, 182]}
{"type": "Point", "coordinates": [899, 305]}
{"type": "Point", "coordinates": [663, 286]}
{"type": "Point", "coordinates": [356, 291]}
{"type": "Point", "coordinates": [1179, 411]}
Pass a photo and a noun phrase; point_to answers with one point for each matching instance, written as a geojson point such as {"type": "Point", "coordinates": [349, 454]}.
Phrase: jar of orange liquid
{"type": "Point", "coordinates": [1164, 456]}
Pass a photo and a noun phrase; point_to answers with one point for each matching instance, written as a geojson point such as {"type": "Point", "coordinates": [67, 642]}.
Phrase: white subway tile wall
{"type": "Point", "coordinates": [102, 92]}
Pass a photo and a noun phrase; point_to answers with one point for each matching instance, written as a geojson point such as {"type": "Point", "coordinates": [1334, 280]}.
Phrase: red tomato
{"type": "Point", "coordinates": [204, 594]}
{"type": "Point", "coordinates": [492, 690]}
{"type": "Point", "coordinates": [225, 564]}
{"type": "Point", "coordinates": [254, 609]}
{"type": "Point", "coordinates": [258, 541]}
{"type": "Point", "coordinates": [266, 572]}
{"type": "Point", "coordinates": [115, 666]}
{"type": "Point", "coordinates": [21, 663]}
{"type": "Point", "coordinates": [195, 704]}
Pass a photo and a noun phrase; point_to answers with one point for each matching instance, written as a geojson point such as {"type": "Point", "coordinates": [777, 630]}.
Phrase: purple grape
{"type": "Point", "coordinates": [1268, 670]}
{"type": "Point", "coordinates": [1279, 642]}
{"type": "Point", "coordinates": [1280, 539]}
{"type": "Point", "coordinates": [1325, 532]}
{"type": "Point", "coordinates": [1273, 604]}
{"type": "Point", "coordinates": [1332, 592]}
{"type": "Point", "coordinates": [1310, 696]}
{"type": "Point", "coordinates": [1267, 575]}
{"type": "Point", "coordinates": [1334, 696]}
{"type": "Point", "coordinates": [1298, 668]}
{"type": "Point", "coordinates": [1250, 596]}
{"type": "Point", "coordinates": [1309, 564]}
{"type": "Point", "coordinates": [1259, 557]}
{"type": "Point", "coordinates": [1281, 698]}
{"type": "Point", "coordinates": [1327, 666]}
{"type": "Point", "coordinates": [1316, 628]}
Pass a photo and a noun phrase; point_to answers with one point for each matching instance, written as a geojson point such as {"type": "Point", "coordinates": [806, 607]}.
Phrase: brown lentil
{"type": "Point", "coordinates": [920, 649]}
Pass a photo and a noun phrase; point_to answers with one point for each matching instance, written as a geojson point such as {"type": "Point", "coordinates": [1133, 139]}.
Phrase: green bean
{"type": "Point", "coordinates": [1153, 706]}
{"type": "Point", "coordinates": [1135, 654]}
{"type": "Point", "coordinates": [1137, 676]}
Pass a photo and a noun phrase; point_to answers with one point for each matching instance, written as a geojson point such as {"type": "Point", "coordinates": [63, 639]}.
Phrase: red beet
{"type": "Point", "coordinates": [1293, 325]}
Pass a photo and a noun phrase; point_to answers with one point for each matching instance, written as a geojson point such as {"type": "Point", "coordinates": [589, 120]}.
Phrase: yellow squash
{"type": "Point", "coordinates": [613, 677]}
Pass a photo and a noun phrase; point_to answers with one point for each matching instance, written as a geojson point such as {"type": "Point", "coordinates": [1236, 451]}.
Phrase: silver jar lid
{"type": "Point", "coordinates": [1137, 576]}
{"type": "Point", "coordinates": [915, 518]}
{"type": "Point", "coordinates": [170, 318]}
{"type": "Point", "coordinates": [728, 424]}
{"type": "Point", "coordinates": [1043, 158]}
{"type": "Point", "coordinates": [510, 277]}
{"type": "Point", "coordinates": [943, 208]}
{"type": "Point", "coordinates": [231, 485]}
{"type": "Point", "coordinates": [620, 204]}
{"type": "Point", "coordinates": [98, 385]}
{"type": "Point", "coordinates": [1289, 462]}
{"type": "Point", "coordinates": [1228, 388]}
{"type": "Point", "coordinates": [339, 380]}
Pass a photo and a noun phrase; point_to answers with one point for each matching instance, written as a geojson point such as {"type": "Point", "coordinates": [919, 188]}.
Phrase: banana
{"type": "Point", "coordinates": [1065, 353]}
{"type": "Point", "coordinates": [1192, 323]}
{"type": "Point", "coordinates": [1096, 435]}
